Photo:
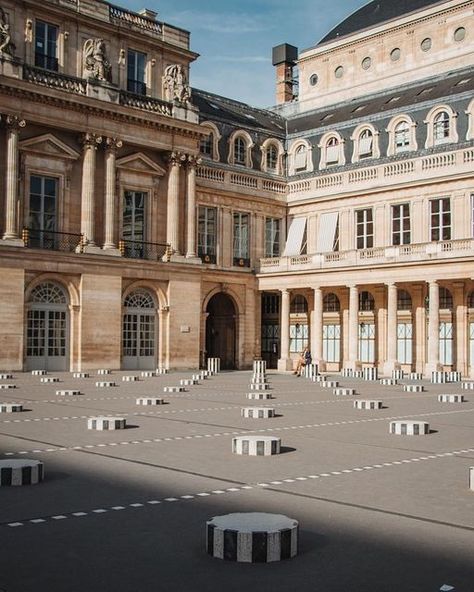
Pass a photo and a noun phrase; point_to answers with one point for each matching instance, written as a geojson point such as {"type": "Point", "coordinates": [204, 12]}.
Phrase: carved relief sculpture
{"type": "Point", "coordinates": [6, 44]}
{"type": "Point", "coordinates": [175, 85]}
{"type": "Point", "coordinates": [96, 64]}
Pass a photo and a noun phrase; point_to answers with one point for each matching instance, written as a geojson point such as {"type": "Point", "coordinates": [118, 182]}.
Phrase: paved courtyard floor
{"type": "Point", "coordinates": [125, 511]}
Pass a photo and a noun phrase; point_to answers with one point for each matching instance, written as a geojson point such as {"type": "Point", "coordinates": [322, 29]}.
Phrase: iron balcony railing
{"type": "Point", "coordinates": [52, 240]}
{"type": "Point", "coordinates": [143, 250]}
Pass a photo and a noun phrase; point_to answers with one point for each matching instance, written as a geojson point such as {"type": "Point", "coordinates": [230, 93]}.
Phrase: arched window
{"type": "Point", "coordinates": [402, 137]}
{"type": "Point", "coordinates": [366, 144]}
{"type": "Point", "coordinates": [441, 128]}
{"type": "Point", "coordinates": [206, 146]}
{"type": "Point", "coordinates": [48, 294]}
{"type": "Point", "coordinates": [404, 301]}
{"type": "Point", "coordinates": [271, 158]}
{"type": "Point", "coordinates": [366, 302]}
{"type": "Point", "coordinates": [331, 303]}
{"type": "Point", "coordinates": [301, 158]}
{"type": "Point", "coordinates": [139, 299]}
{"type": "Point", "coordinates": [138, 331]}
{"type": "Point", "coordinates": [240, 149]}
{"type": "Point", "coordinates": [332, 152]}
{"type": "Point", "coordinates": [470, 300]}
{"type": "Point", "coordinates": [445, 299]}
{"type": "Point", "coordinates": [299, 305]}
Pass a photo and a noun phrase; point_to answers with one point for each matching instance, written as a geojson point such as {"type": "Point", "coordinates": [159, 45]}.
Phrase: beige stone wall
{"type": "Point", "coordinates": [12, 318]}
{"type": "Point", "coordinates": [184, 322]}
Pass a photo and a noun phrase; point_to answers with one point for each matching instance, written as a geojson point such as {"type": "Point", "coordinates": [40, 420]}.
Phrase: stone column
{"type": "Point", "coordinates": [192, 162]}
{"type": "Point", "coordinates": [14, 124]}
{"type": "Point", "coordinates": [317, 330]}
{"type": "Point", "coordinates": [172, 221]}
{"type": "Point", "coordinates": [391, 362]}
{"type": "Point", "coordinates": [419, 322]}
{"type": "Point", "coordinates": [433, 364]}
{"type": "Point", "coordinates": [284, 363]}
{"type": "Point", "coordinates": [352, 364]}
{"type": "Point", "coordinates": [111, 146]}
{"type": "Point", "coordinates": [461, 329]}
{"type": "Point", "coordinates": [90, 143]}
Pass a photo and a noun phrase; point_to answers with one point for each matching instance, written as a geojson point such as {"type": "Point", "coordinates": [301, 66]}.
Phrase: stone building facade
{"type": "Point", "coordinates": [149, 224]}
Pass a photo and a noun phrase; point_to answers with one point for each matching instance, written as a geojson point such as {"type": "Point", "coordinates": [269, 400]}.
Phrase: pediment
{"type": "Point", "coordinates": [49, 145]}
{"type": "Point", "coordinates": [140, 163]}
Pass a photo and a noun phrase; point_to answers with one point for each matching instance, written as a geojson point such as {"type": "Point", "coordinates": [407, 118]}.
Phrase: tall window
{"type": "Point", "coordinates": [46, 46]}
{"type": "Point", "coordinates": [42, 211]}
{"type": "Point", "coordinates": [402, 137]}
{"type": "Point", "coordinates": [241, 240]}
{"type": "Point", "coordinates": [446, 343]}
{"type": "Point", "coordinates": [298, 337]}
{"type": "Point", "coordinates": [404, 301]}
{"type": "Point", "coordinates": [331, 303]}
{"type": "Point", "coordinates": [404, 343]}
{"type": "Point", "coordinates": [207, 234]}
{"type": "Point", "coordinates": [240, 149]}
{"type": "Point", "coordinates": [364, 229]}
{"type": "Point", "coordinates": [366, 144]}
{"type": "Point", "coordinates": [367, 342]}
{"type": "Point", "coordinates": [136, 64]}
{"type": "Point", "coordinates": [332, 152]}
{"type": "Point", "coordinates": [205, 146]}
{"type": "Point", "coordinates": [445, 299]}
{"type": "Point", "coordinates": [271, 158]}
{"type": "Point", "coordinates": [301, 157]}
{"type": "Point", "coordinates": [272, 237]}
{"type": "Point", "coordinates": [270, 304]}
{"type": "Point", "coordinates": [298, 305]}
{"type": "Point", "coordinates": [133, 225]}
{"type": "Point", "coordinates": [441, 127]}
{"type": "Point", "coordinates": [401, 230]}
{"type": "Point", "coordinates": [366, 302]}
{"type": "Point", "coordinates": [332, 343]}
{"type": "Point", "coordinates": [440, 219]}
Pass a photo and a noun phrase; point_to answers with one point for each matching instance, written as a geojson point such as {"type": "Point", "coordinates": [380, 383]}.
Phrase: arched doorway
{"type": "Point", "coordinates": [139, 331]}
{"type": "Point", "coordinates": [221, 330]}
{"type": "Point", "coordinates": [47, 328]}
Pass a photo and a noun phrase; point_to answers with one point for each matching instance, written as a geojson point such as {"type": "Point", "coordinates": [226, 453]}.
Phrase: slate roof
{"type": "Point", "coordinates": [375, 13]}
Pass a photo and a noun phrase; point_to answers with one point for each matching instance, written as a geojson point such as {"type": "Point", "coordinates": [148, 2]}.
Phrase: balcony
{"type": "Point", "coordinates": [140, 101]}
{"type": "Point", "coordinates": [143, 250]}
{"type": "Point", "coordinates": [369, 257]}
{"type": "Point", "coordinates": [52, 79]}
{"type": "Point", "coordinates": [52, 241]}
{"type": "Point", "coordinates": [240, 181]}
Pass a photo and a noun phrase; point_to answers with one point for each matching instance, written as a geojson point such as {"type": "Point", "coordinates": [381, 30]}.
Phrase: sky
{"type": "Point", "coordinates": [235, 39]}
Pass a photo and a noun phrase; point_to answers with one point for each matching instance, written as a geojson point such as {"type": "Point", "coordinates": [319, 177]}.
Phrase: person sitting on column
{"type": "Point", "coordinates": [303, 360]}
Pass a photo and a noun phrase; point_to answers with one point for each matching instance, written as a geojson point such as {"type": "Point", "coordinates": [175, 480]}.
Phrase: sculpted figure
{"type": "Point", "coordinates": [175, 85]}
{"type": "Point", "coordinates": [6, 44]}
{"type": "Point", "coordinates": [96, 63]}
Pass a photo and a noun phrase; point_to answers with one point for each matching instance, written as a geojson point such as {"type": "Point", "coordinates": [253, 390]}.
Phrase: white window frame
{"type": "Point", "coordinates": [441, 227]}
{"type": "Point", "coordinates": [358, 137]}
{"type": "Point", "coordinates": [446, 342]}
{"type": "Point", "coordinates": [249, 144]}
{"type": "Point", "coordinates": [214, 136]}
{"type": "Point", "coordinates": [265, 147]}
{"type": "Point", "coordinates": [332, 140]}
{"type": "Point", "coordinates": [402, 217]}
{"type": "Point", "coordinates": [405, 342]}
{"type": "Point", "coordinates": [364, 225]}
{"type": "Point", "coordinates": [332, 342]}
{"type": "Point", "coordinates": [393, 149]}
{"type": "Point", "coordinates": [366, 342]}
{"type": "Point", "coordinates": [273, 228]}
{"type": "Point", "coordinates": [430, 121]}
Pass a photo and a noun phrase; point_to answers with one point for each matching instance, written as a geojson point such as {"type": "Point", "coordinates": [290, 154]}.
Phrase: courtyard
{"type": "Point", "coordinates": [125, 511]}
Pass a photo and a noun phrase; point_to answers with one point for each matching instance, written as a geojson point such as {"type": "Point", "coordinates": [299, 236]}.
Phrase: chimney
{"type": "Point", "coordinates": [284, 58]}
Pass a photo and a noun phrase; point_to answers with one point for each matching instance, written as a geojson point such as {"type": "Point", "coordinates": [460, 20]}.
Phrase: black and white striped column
{"type": "Point", "coordinates": [174, 389]}
{"type": "Point", "coordinates": [259, 366]}
{"type": "Point", "coordinates": [310, 370]}
{"type": "Point", "coordinates": [258, 412]}
{"type": "Point", "coordinates": [214, 365]}
{"type": "Point", "coordinates": [454, 376]}
{"type": "Point", "coordinates": [68, 393]}
{"type": "Point", "coordinates": [38, 373]}
{"type": "Point", "coordinates": [130, 378]}
{"type": "Point", "coordinates": [104, 384]}
{"type": "Point", "coordinates": [467, 386]}
{"type": "Point", "coordinates": [439, 377]}
{"type": "Point", "coordinates": [370, 373]}
{"type": "Point", "coordinates": [7, 386]}
{"type": "Point", "coordinates": [49, 379]}
{"type": "Point", "coordinates": [368, 405]}
{"type": "Point", "coordinates": [11, 407]}
{"type": "Point", "coordinates": [103, 371]}
{"type": "Point", "coordinates": [256, 445]}
{"type": "Point", "coordinates": [80, 375]}
{"type": "Point", "coordinates": [407, 427]}
{"type": "Point", "coordinates": [161, 371]}
{"type": "Point", "coordinates": [6, 376]}
{"type": "Point", "coordinates": [22, 471]}
{"type": "Point", "coordinates": [416, 376]}
{"type": "Point", "coordinates": [388, 381]}
{"type": "Point", "coordinates": [451, 398]}
{"type": "Point", "coordinates": [259, 396]}
{"type": "Point", "coordinates": [347, 373]}
{"type": "Point", "coordinates": [344, 392]}
{"type": "Point", "coordinates": [329, 384]}
{"type": "Point", "coordinates": [106, 423]}
{"type": "Point", "coordinates": [260, 386]}
{"type": "Point", "coordinates": [150, 401]}
{"type": "Point", "coordinates": [413, 388]}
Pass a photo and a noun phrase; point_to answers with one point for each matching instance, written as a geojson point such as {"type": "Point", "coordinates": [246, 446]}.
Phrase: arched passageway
{"type": "Point", "coordinates": [221, 330]}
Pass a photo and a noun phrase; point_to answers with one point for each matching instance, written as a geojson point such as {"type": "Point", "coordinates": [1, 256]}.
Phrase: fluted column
{"type": "Point", "coordinates": [172, 227]}
{"type": "Point", "coordinates": [433, 329]}
{"type": "Point", "coordinates": [317, 329]}
{"type": "Point", "coordinates": [90, 143]}
{"type": "Point", "coordinates": [353, 327]}
{"type": "Point", "coordinates": [284, 363]}
{"type": "Point", "coordinates": [192, 162]}
{"type": "Point", "coordinates": [391, 362]}
{"type": "Point", "coordinates": [14, 124]}
{"type": "Point", "coordinates": [111, 147]}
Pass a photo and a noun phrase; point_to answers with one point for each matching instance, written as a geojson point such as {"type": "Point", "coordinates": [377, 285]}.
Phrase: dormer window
{"type": "Point", "coordinates": [441, 128]}
{"type": "Point", "coordinates": [272, 158]}
{"type": "Point", "coordinates": [402, 137]}
{"type": "Point", "coordinates": [46, 46]}
{"type": "Point", "coordinates": [332, 152]}
{"type": "Point", "coordinates": [205, 147]}
{"type": "Point", "coordinates": [239, 151]}
{"type": "Point", "coordinates": [301, 157]}
{"type": "Point", "coordinates": [366, 144]}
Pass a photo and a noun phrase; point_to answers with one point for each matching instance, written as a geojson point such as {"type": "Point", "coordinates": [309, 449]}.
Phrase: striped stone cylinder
{"type": "Point", "coordinates": [130, 379]}
{"type": "Point", "coordinates": [310, 370]}
{"type": "Point", "coordinates": [38, 373]}
{"type": "Point", "coordinates": [11, 407]}
{"type": "Point", "coordinates": [6, 376]}
{"type": "Point", "coordinates": [196, 377]}
{"type": "Point", "coordinates": [104, 384]}
{"type": "Point", "coordinates": [106, 423]}
{"type": "Point", "coordinates": [24, 471]}
{"type": "Point", "coordinates": [451, 398]}
{"type": "Point", "coordinates": [347, 372]}
{"type": "Point", "coordinates": [344, 392]}
{"type": "Point", "coordinates": [388, 381]}
{"type": "Point", "coordinates": [6, 386]}
{"type": "Point", "coordinates": [408, 427]}
{"type": "Point", "coordinates": [252, 537]}
{"type": "Point", "coordinates": [329, 384]}
{"type": "Point", "coordinates": [174, 389]}
{"type": "Point", "coordinates": [205, 373]}
{"type": "Point", "coordinates": [214, 365]}
{"type": "Point", "coordinates": [188, 382]}
{"type": "Point", "coordinates": [259, 366]}
{"type": "Point", "coordinates": [416, 376]}
{"type": "Point", "coordinates": [103, 371]}
{"type": "Point", "coordinates": [413, 388]}
{"type": "Point", "coordinates": [467, 386]}
{"type": "Point", "coordinates": [471, 478]}
{"type": "Point", "coordinates": [161, 371]}
{"type": "Point", "coordinates": [150, 401]}
{"type": "Point", "coordinates": [258, 412]}
{"type": "Point", "coordinates": [80, 375]}
{"type": "Point", "coordinates": [439, 377]}
{"type": "Point", "coordinates": [454, 376]}
{"type": "Point", "coordinates": [49, 379]}
{"type": "Point", "coordinates": [258, 378]}
{"type": "Point", "coordinates": [259, 386]}
{"type": "Point", "coordinates": [370, 373]}
{"type": "Point", "coordinates": [358, 374]}
{"type": "Point", "coordinates": [397, 374]}
{"type": "Point", "coordinates": [256, 445]}
{"type": "Point", "coordinates": [68, 393]}
{"type": "Point", "coordinates": [320, 378]}
{"type": "Point", "coordinates": [368, 405]}
{"type": "Point", "coordinates": [259, 396]}
{"type": "Point", "coordinates": [147, 374]}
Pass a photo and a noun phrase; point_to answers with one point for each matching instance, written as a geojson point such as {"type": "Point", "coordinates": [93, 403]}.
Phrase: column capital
{"type": "Point", "coordinates": [391, 284]}
{"type": "Point", "coordinates": [90, 140]}
{"type": "Point", "coordinates": [113, 144]}
{"type": "Point", "coordinates": [432, 282]}
{"type": "Point", "coordinates": [14, 123]}
{"type": "Point", "coordinates": [193, 161]}
{"type": "Point", "coordinates": [176, 159]}
{"type": "Point", "coordinates": [285, 290]}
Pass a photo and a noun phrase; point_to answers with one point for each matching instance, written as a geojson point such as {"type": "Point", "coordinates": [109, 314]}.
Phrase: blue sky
{"type": "Point", "coordinates": [234, 39]}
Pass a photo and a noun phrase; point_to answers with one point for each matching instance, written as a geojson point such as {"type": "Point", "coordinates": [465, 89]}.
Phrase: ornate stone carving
{"type": "Point", "coordinates": [175, 85]}
{"type": "Point", "coordinates": [89, 140]}
{"type": "Point", "coordinates": [6, 44]}
{"type": "Point", "coordinates": [113, 144]}
{"type": "Point", "coordinates": [193, 161]}
{"type": "Point", "coordinates": [96, 64]}
{"type": "Point", "coordinates": [176, 159]}
{"type": "Point", "coordinates": [14, 122]}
